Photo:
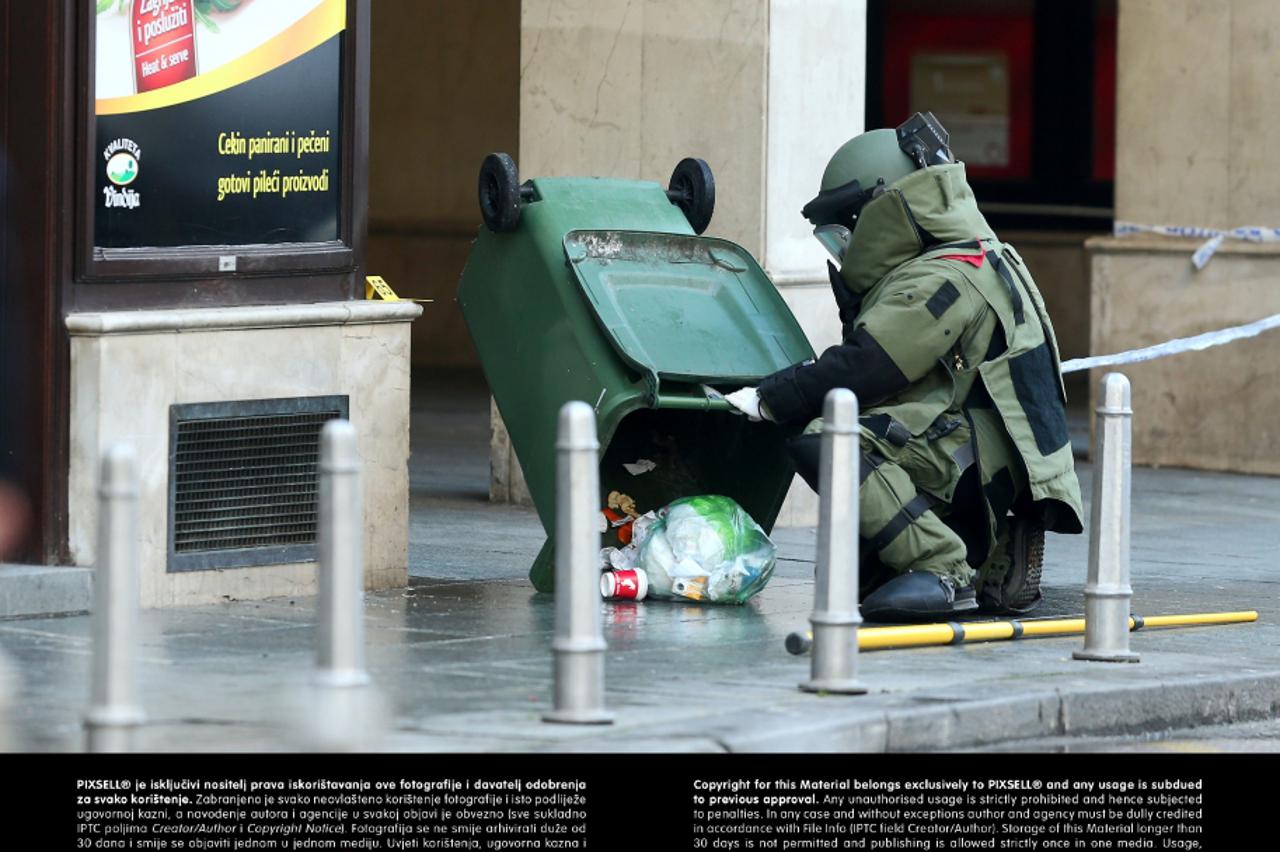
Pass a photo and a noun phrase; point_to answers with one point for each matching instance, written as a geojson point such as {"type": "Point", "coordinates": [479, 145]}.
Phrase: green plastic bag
{"type": "Point", "coordinates": [706, 549]}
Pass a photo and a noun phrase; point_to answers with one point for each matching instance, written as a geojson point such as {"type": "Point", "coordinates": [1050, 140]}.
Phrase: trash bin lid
{"type": "Point", "coordinates": [686, 308]}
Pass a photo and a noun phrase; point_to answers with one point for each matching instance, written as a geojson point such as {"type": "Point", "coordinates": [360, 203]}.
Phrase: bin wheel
{"type": "Point", "coordinates": [693, 190]}
{"type": "Point", "coordinates": [499, 193]}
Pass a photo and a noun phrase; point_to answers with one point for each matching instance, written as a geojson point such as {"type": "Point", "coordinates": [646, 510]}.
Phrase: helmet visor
{"type": "Point", "coordinates": [835, 239]}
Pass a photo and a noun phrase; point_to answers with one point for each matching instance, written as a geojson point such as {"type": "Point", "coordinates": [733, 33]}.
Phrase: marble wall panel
{"type": "Point", "coordinates": [580, 88]}
{"type": "Point", "coordinates": [1217, 409]}
{"type": "Point", "coordinates": [1254, 103]}
{"type": "Point", "coordinates": [704, 94]}
{"type": "Point", "coordinates": [375, 374]}
{"type": "Point", "coordinates": [1174, 112]}
{"type": "Point", "coordinates": [124, 383]}
{"type": "Point", "coordinates": [1196, 112]}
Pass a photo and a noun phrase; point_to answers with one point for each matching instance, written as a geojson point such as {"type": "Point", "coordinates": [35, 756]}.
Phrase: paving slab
{"type": "Point", "coordinates": [43, 589]}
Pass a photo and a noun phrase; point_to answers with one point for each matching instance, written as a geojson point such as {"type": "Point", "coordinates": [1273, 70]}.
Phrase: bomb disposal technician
{"type": "Point", "coordinates": [965, 458]}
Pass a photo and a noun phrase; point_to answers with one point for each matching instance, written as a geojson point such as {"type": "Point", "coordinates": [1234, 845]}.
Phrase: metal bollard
{"type": "Point", "coordinates": [9, 687]}
{"type": "Point", "coordinates": [339, 711]}
{"type": "Point", "coordinates": [578, 646]}
{"type": "Point", "coordinates": [1107, 592]}
{"type": "Point", "coordinates": [340, 655]}
{"type": "Point", "coordinates": [835, 618]}
{"type": "Point", "coordinates": [114, 712]}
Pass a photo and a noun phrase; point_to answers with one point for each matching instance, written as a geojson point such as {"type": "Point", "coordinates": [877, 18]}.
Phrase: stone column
{"type": "Point", "coordinates": [816, 102]}
{"type": "Point", "coordinates": [1197, 109]}
{"type": "Point", "coordinates": [763, 90]}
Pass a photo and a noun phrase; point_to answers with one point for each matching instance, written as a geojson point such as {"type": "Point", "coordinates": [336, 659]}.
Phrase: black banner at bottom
{"type": "Point", "coordinates": [604, 802]}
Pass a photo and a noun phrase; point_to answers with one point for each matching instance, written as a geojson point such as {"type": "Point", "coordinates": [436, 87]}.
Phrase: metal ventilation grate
{"type": "Point", "coordinates": [243, 481]}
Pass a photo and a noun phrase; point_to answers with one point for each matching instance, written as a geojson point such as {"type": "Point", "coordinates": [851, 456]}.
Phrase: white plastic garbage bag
{"type": "Point", "coordinates": [706, 549]}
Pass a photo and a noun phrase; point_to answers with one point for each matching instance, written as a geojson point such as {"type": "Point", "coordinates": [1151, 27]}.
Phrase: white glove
{"type": "Point", "coordinates": [748, 402]}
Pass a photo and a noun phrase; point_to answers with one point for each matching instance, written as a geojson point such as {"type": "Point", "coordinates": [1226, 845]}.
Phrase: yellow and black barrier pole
{"type": "Point", "coordinates": [959, 633]}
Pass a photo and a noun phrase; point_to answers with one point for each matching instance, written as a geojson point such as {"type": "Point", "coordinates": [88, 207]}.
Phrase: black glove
{"type": "Point", "coordinates": [848, 303]}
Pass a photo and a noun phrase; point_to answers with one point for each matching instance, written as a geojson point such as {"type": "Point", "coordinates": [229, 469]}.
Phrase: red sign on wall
{"type": "Point", "coordinates": [164, 43]}
{"type": "Point", "coordinates": [975, 72]}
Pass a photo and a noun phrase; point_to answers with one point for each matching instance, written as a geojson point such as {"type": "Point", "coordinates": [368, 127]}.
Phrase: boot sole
{"type": "Point", "coordinates": [1029, 541]}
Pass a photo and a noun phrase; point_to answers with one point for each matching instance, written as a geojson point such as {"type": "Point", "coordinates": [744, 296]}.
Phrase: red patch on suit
{"type": "Point", "coordinates": [976, 259]}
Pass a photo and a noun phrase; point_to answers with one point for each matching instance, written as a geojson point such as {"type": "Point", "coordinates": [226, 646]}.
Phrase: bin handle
{"type": "Point", "coordinates": [724, 264]}
{"type": "Point", "coordinates": [693, 403]}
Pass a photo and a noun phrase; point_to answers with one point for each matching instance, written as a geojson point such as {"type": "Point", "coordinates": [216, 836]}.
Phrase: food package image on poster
{"type": "Point", "coordinates": [970, 95]}
{"type": "Point", "coordinates": [164, 43]}
{"type": "Point", "coordinates": [218, 122]}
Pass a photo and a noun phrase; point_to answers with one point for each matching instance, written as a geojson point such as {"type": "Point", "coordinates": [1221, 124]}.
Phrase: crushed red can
{"type": "Point", "coordinates": [631, 584]}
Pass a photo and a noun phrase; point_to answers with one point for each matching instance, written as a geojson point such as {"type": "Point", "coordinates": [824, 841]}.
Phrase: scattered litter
{"type": "Point", "coordinates": [631, 584]}
{"type": "Point", "coordinates": [634, 532]}
{"type": "Point", "coordinates": [619, 516]}
{"type": "Point", "coordinates": [624, 503]}
{"type": "Point", "coordinates": [640, 466]}
{"type": "Point", "coordinates": [611, 520]}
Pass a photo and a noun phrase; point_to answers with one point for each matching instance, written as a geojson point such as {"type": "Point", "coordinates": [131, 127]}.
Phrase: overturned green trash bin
{"type": "Point", "coordinates": [600, 290]}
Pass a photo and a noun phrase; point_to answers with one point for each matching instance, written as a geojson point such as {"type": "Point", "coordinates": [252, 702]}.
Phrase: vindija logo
{"type": "Point", "coordinates": [122, 156]}
{"type": "Point", "coordinates": [122, 168]}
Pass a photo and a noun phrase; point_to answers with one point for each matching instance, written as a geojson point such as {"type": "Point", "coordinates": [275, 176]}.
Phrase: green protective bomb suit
{"type": "Point", "coordinates": [949, 348]}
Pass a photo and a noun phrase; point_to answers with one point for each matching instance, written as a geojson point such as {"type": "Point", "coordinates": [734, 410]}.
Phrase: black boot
{"type": "Point", "coordinates": [918, 596]}
{"type": "Point", "coordinates": [1019, 591]}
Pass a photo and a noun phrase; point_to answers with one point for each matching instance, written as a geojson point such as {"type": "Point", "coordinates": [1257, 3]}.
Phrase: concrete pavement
{"type": "Point", "coordinates": [1240, 738]}
{"type": "Point", "coordinates": [462, 656]}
